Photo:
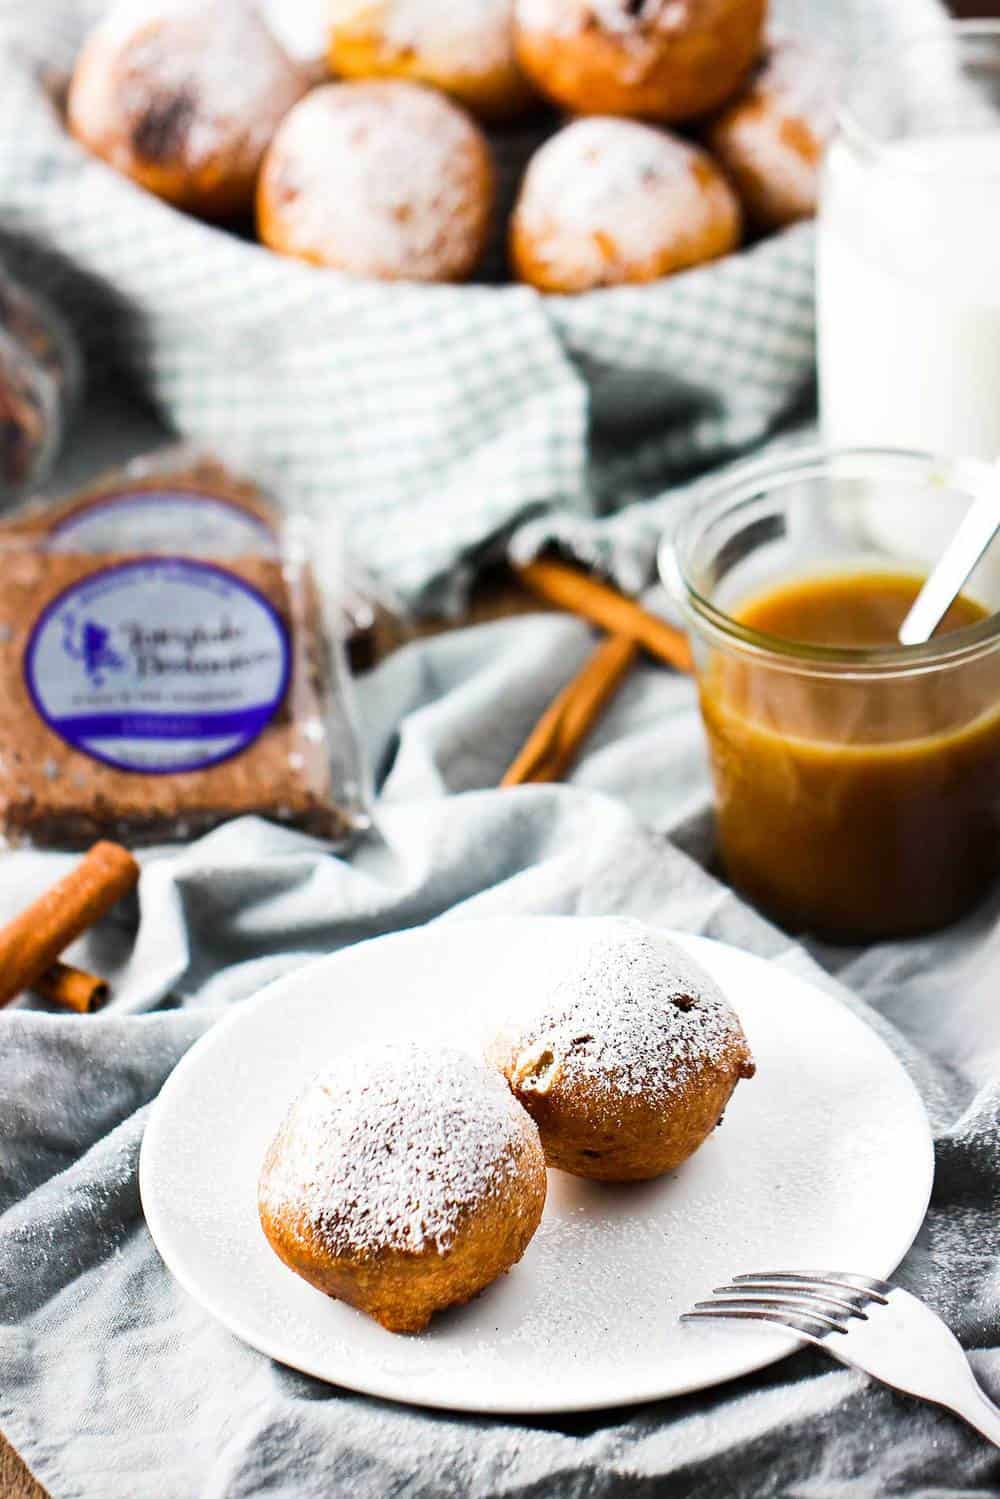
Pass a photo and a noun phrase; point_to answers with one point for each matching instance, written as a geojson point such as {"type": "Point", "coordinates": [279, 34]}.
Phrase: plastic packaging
{"type": "Point", "coordinates": [40, 376]}
{"type": "Point", "coordinates": [168, 661]}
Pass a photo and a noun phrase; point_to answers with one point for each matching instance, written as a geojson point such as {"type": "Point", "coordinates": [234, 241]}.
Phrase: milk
{"type": "Point", "coordinates": [908, 302]}
{"type": "Point", "coordinates": [908, 296]}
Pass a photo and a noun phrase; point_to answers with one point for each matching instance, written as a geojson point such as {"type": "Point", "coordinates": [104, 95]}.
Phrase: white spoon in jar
{"type": "Point", "coordinates": [961, 556]}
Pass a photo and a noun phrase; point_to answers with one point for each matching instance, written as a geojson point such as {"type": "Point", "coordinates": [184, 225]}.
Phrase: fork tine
{"type": "Point", "coordinates": [802, 1327]}
{"type": "Point", "coordinates": [786, 1291]}
{"type": "Point", "coordinates": [846, 1280]}
{"type": "Point", "coordinates": [773, 1304]}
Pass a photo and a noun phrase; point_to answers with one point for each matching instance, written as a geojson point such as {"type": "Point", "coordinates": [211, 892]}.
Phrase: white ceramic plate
{"type": "Point", "coordinates": [824, 1160]}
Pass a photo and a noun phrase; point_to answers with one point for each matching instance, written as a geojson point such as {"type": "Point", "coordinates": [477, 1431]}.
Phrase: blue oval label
{"type": "Point", "coordinates": [159, 666]}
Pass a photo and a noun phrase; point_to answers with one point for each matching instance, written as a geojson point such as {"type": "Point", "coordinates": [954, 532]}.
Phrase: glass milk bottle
{"type": "Point", "coordinates": [908, 264]}
{"type": "Point", "coordinates": [908, 258]}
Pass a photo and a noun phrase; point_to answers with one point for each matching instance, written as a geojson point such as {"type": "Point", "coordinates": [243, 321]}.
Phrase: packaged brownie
{"type": "Point", "coordinates": [168, 661]}
{"type": "Point", "coordinates": [40, 376]}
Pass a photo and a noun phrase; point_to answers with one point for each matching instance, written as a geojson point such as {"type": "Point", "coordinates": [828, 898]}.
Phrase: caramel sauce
{"type": "Point", "coordinates": [853, 806]}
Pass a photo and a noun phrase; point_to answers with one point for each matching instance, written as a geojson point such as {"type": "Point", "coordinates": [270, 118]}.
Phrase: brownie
{"type": "Point", "coordinates": [52, 793]}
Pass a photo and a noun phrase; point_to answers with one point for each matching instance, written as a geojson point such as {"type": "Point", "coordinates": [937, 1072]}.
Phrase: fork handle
{"type": "Point", "coordinates": [978, 1409]}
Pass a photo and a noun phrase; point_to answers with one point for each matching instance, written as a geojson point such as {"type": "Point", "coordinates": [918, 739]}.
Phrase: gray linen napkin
{"type": "Point", "coordinates": [115, 1385]}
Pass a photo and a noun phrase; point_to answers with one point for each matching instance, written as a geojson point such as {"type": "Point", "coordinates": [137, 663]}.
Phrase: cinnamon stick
{"type": "Point", "coordinates": [570, 589]}
{"type": "Point", "coordinates": [565, 724]}
{"type": "Point", "coordinates": [71, 988]}
{"type": "Point", "coordinates": [32, 942]}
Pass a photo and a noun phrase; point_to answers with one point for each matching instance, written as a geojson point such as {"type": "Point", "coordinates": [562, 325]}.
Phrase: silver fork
{"type": "Point", "coordinates": [867, 1324]}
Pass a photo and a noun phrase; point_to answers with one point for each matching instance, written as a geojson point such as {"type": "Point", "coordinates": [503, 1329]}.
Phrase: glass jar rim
{"type": "Point", "coordinates": [746, 482]}
{"type": "Point", "coordinates": [874, 62]}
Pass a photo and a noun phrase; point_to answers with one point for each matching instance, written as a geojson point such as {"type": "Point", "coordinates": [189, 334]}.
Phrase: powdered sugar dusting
{"type": "Point", "coordinates": [604, 194]}
{"type": "Point", "coordinates": [472, 37]}
{"type": "Point", "coordinates": [771, 139]}
{"type": "Point", "coordinates": [634, 1016]}
{"type": "Point", "coordinates": [300, 26]}
{"type": "Point", "coordinates": [382, 179]}
{"type": "Point", "coordinates": [621, 18]}
{"type": "Point", "coordinates": [211, 68]}
{"type": "Point", "coordinates": [804, 78]}
{"type": "Point", "coordinates": [626, 15]}
{"type": "Point", "coordinates": [393, 1146]}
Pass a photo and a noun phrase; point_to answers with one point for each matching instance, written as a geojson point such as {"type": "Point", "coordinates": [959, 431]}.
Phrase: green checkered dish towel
{"type": "Point", "coordinates": [436, 420]}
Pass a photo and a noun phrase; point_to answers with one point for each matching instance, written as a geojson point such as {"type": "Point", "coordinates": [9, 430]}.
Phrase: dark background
{"type": "Point", "coordinates": [975, 7]}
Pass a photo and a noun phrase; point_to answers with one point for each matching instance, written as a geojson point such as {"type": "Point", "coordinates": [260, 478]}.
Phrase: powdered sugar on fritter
{"type": "Point", "coordinates": [393, 1146]}
{"type": "Point", "coordinates": [300, 26]}
{"type": "Point", "coordinates": [387, 175]}
{"type": "Point", "coordinates": [215, 59]}
{"type": "Point", "coordinates": [634, 1016]}
{"type": "Point", "coordinates": [614, 190]}
{"type": "Point", "coordinates": [472, 36]}
{"type": "Point", "coordinates": [617, 17]}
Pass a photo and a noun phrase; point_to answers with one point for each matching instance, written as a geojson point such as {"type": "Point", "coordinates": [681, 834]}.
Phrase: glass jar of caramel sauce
{"type": "Point", "coordinates": [857, 781]}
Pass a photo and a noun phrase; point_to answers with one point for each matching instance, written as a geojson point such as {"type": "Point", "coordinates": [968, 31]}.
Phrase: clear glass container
{"type": "Point", "coordinates": [857, 789]}
{"type": "Point", "coordinates": [908, 296]}
{"type": "Point", "coordinates": [40, 380]}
